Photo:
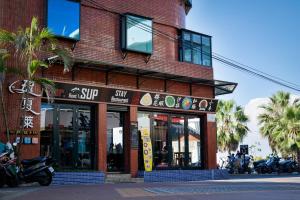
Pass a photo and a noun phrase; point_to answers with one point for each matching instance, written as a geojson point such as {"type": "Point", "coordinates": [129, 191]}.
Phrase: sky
{"type": "Point", "coordinates": [263, 34]}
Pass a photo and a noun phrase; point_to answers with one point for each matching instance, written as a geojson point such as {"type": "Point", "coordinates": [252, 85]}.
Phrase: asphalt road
{"type": "Point", "coordinates": [243, 188]}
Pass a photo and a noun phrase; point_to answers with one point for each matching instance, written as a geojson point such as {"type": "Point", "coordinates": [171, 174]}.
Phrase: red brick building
{"type": "Point", "coordinates": [136, 71]}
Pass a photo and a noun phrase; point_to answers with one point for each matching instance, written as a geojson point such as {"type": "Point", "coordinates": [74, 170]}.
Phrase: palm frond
{"type": "Point", "coordinates": [48, 86]}
{"type": "Point", "coordinates": [35, 64]}
{"type": "Point", "coordinates": [6, 37]}
{"type": "Point", "coordinates": [65, 56]}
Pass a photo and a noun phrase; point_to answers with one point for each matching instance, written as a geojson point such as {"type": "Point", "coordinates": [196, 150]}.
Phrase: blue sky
{"type": "Point", "coordinates": [260, 33]}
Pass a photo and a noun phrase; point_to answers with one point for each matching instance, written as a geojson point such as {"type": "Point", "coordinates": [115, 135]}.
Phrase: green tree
{"type": "Point", "coordinates": [29, 46]}
{"type": "Point", "coordinates": [280, 123]}
{"type": "Point", "coordinates": [231, 125]}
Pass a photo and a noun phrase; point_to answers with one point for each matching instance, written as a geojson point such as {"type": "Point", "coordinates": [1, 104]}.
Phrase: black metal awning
{"type": "Point", "coordinates": [221, 87]}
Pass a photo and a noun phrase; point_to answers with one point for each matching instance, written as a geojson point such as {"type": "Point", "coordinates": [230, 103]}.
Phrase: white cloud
{"type": "Point", "coordinates": [261, 145]}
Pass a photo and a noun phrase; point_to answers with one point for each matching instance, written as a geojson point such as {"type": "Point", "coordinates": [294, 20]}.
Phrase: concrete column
{"type": "Point", "coordinates": [101, 137]}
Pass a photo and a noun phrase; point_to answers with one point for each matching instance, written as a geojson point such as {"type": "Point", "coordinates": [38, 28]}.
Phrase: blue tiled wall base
{"type": "Point", "coordinates": [140, 174]}
{"type": "Point", "coordinates": [70, 178]}
{"type": "Point", "coordinates": [185, 175]}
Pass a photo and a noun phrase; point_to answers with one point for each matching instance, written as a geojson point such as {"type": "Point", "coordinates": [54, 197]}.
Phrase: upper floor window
{"type": "Point", "coordinates": [63, 18]}
{"type": "Point", "coordinates": [137, 34]}
{"type": "Point", "coordinates": [195, 48]}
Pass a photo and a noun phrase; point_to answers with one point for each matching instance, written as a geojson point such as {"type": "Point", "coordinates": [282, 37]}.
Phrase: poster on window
{"type": "Point", "coordinates": [147, 149]}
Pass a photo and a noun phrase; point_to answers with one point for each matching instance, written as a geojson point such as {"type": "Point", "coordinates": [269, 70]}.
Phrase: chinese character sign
{"type": "Point", "coordinates": [27, 87]}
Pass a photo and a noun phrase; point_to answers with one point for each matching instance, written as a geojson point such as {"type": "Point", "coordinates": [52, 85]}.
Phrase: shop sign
{"type": "Point", "coordinates": [91, 93]}
{"type": "Point", "coordinates": [25, 132]}
{"type": "Point", "coordinates": [119, 96]}
{"type": "Point", "coordinates": [147, 149]}
{"type": "Point", "coordinates": [71, 91]}
{"type": "Point", "coordinates": [178, 102]}
{"type": "Point", "coordinates": [25, 86]}
{"type": "Point", "coordinates": [146, 99]}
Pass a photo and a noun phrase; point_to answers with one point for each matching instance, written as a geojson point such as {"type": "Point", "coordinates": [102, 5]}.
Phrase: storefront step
{"type": "Point", "coordinates": [78, 178]}
{"type": "Point", "coordinates": [121, 178]}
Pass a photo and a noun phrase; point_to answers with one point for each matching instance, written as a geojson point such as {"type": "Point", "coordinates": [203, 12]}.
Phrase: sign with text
{"type": "Point", "coordinates": [145, 99]}
{"type": "Point", "coordinates": [147, 149]}
{"type": "Point", "coordinates": [177, 102]}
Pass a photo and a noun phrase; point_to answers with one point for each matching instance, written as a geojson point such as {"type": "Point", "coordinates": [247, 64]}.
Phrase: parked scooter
{"type": "Point", "coordinates": [287, 165]}
{"type": "Point", "coordinates": [8, 173]}
{"type": "Point", "coordinates": [34, 170]}
{"type": "Point", "coordinates": [239, 164]}
{"type": "Point", "coordinates": [268, 166]}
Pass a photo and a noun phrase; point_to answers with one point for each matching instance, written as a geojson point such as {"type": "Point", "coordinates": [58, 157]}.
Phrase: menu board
{"type": "Point", "coordinates": [178, 102]}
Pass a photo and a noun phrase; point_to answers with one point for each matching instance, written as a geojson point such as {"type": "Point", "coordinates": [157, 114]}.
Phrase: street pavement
{"type": "Point", "coordinates": [237, 188]}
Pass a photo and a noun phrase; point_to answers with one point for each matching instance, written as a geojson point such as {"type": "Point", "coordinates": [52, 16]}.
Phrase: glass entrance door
{"type": "Point", "coordinates": [67, 135]}
{"type": "Point", "coordinates": [115, 142]}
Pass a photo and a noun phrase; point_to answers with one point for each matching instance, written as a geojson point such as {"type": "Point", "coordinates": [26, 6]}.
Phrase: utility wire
{"type": "Point", "coordinates": [228, 62]}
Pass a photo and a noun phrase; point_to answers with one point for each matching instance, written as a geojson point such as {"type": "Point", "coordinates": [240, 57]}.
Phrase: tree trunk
{"type": "Point", "coordinates": [4, 113]}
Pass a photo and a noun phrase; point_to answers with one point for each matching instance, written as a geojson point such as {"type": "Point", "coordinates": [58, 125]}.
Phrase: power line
{"type": "Point", "coordinates": [228, 62]}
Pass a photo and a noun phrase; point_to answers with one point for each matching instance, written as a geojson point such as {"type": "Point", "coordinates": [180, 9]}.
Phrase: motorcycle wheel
{"type": "Point", "coordinates": [2, 180]}
{"type": "Point", "coordinates": [47, 178]}
{"type": "Point", "coordinates": [12, 181]}
{"type": "Point", "coordinates": [258, 170]}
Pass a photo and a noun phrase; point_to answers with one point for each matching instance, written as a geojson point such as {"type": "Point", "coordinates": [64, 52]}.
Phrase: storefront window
{"type": "Point", "coordinates": [84, 138]}
{"type": "Point", "coordinates": [160, 142]}
{"type": "Point", "coordinates": [115, 143]}
{"type": "Point", "coordinates": [176, 140]}
{"type": "Point", "coordinates": [194, 141]}
{"type": "Point", "coordinates": [47, 112]}
{"type": "Point", "coordinates": [67, 135]}
{"type": "Point", "coordinates": [177, 135]}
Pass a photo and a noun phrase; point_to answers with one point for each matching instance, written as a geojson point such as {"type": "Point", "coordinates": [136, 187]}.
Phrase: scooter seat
{"type": "Point", "coordinates": [33, 161]}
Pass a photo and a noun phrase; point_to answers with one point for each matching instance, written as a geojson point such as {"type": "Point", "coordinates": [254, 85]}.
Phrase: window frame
{"type": "Point", "coordinates": [123, 33]}
{"type": "Point", "coordinates": [186, 166]}
{"type": "Point", "coordinates": [60, 36]}
{"type": "Point", "coordinates": [191, 45]}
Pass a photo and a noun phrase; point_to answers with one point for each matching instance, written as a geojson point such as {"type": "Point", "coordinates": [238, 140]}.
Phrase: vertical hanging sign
{"type": "Point", "coordinates": [147, 149]}
{"type": "Point", "coordinates": [27, 87]}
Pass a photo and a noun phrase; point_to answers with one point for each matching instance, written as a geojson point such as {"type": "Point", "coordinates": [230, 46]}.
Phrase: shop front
{"type": "Point", "coordinates": [102, 129]}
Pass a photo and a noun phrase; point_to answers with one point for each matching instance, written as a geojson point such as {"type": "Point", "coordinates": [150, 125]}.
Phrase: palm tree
{"type": "Point", "coordinates": [28, 46]}
{"type": "Point", "coordinates": [231, 125]}
{"type": "Point", "coordinates": [280, 123]}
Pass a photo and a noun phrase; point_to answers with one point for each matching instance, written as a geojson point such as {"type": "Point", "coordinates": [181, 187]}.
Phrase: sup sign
{"type": "Point", "coordinates": [71, 91]}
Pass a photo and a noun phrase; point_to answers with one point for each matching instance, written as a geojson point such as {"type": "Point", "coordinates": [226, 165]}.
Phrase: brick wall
{"type": "Point", "coordinates": [100, 42]}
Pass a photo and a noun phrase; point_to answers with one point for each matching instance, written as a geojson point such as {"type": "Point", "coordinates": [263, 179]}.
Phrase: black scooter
{"type": "Point", "coordinates": [287, 165]}
{"type": "Point", "coordinates": [267, 166]}
{"type": "Point", "coordinates": [8, 173]}
{"type": "Point", "coordinates": [36, 170]}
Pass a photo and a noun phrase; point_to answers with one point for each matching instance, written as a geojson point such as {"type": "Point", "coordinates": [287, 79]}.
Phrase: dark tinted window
{"type": "Point", "coordinates": [63, 18]}
{"type": "Point", "coordinates": [195, 48]}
